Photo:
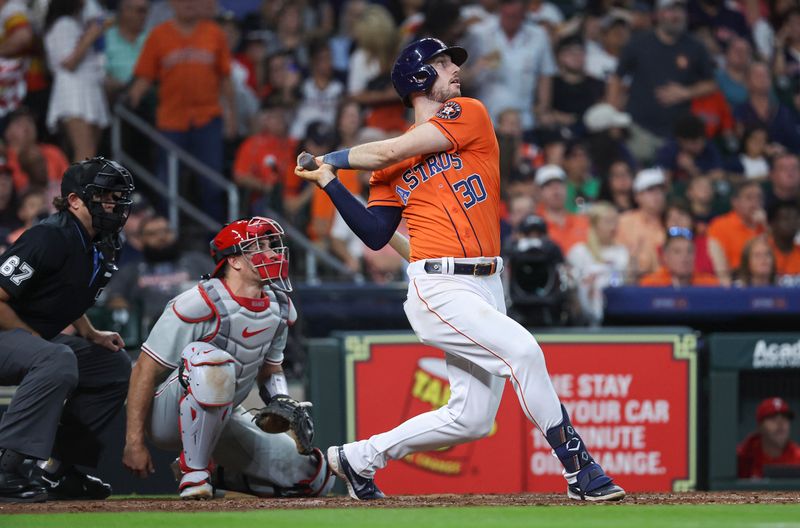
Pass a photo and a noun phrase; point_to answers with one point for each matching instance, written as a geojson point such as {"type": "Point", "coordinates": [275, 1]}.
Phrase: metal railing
{"type": "Point", "coordinates": [177, 204]}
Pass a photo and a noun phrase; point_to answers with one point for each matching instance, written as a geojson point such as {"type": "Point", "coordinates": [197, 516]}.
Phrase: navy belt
{"type": "Point", "coordinates": [477, 270]}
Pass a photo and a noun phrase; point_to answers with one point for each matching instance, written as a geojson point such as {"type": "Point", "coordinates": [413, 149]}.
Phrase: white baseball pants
{"type": "Point", "coordinates": [464, 316]}
{"type": "Point", "coordinates": [265, 459]}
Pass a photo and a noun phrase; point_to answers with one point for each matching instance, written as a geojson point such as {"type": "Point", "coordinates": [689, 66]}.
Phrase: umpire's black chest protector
{"type": "Point", "coordinates": [54, 273]}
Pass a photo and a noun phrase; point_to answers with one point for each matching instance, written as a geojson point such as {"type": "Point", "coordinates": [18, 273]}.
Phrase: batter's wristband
{"type": "Point", "coordinates": [339, 158]}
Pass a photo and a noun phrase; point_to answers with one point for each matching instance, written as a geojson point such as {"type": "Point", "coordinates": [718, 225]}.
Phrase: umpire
{"type": "Point", "coordinates": [70, 387]}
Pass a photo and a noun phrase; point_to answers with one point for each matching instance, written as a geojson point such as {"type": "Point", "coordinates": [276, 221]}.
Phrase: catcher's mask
{"type": "Point", "coordinates": [99, 182]}
{"type": "Point", "coordinates": [260, 239]}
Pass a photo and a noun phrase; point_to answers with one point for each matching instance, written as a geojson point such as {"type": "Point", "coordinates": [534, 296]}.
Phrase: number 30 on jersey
{"type": "Point", "coordinates": [471, 189]}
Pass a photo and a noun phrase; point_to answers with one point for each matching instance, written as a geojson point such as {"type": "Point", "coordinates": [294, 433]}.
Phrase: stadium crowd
{"type": "Point", "coordinates": [657, 140]}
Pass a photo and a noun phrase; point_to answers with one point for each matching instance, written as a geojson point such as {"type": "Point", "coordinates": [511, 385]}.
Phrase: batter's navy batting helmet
{"type": "Point", "coordinates": [411, 72]}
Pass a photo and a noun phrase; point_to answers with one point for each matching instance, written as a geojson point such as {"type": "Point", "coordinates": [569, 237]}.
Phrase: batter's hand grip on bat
{"type": "Point", "coordinates": [306, 161]}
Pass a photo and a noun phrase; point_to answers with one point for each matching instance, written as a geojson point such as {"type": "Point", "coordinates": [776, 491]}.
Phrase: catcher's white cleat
{"type": "Point", "coordinates": [195, 485]}
{"type": "Point", "coordinates": [202, 491]}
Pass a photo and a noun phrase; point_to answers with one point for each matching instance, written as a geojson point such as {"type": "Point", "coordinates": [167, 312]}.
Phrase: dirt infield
{"type": "Point", "coordinates": [235, 502]}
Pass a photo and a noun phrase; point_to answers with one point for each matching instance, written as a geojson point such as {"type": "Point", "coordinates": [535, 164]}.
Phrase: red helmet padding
{"type": "Point", "coordinates": [228, 242]}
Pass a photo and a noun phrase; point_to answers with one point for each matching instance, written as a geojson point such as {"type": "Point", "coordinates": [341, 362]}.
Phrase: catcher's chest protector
{"type": "Point", "coordinates": [245, 334]}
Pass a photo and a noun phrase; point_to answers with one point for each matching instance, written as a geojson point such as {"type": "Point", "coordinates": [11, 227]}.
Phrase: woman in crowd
{"type": "Point", "coordinates": [369, 80]}
{"type": "Point", "coordinates": [599, 262]}
{"type": "Point", "coordinates": [757, 267]}
{"type": "Point", "coordinates": [617, 187]}
{"type": "Point", "coordinates": [77, 101]}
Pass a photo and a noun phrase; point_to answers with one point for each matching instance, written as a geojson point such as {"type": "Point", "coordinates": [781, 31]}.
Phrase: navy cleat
{"type": "Point", "coordinates": [360, 488]}
{"type": "Point", "coordinates": [591, 482]}
{"type": "Point", "coordinates": [594, 485]}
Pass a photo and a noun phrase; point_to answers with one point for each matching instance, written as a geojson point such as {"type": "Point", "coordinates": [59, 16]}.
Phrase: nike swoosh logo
{"type": "Point", "coordinates": [50, 482]}
{"type": "Point", "coordinates": [246, 334]}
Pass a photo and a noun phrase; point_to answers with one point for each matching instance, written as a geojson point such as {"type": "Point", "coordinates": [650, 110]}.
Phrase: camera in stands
{"type": "Point", "coordinates": [538, 283]}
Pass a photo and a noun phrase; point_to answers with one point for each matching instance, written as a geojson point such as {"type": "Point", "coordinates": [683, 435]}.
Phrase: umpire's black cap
{"type": "Point", "coordinates": [98, 171]}
{"type": "Point", "coordinates": [75, 178]}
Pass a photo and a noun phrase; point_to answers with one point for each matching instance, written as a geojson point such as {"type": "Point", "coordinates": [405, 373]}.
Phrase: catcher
{"type": "Point", "coordinates": [205, 352]}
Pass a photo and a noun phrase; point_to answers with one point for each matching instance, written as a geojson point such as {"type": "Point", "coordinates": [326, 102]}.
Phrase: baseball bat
{"type": "Point", "coordinates": [306, 161]}
{"type": "Point", "coordinates": [398, 242]}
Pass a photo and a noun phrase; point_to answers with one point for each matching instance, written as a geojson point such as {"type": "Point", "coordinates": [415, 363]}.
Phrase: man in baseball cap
{"type": "Point", "coordinates": [564, 228]}
{"type": "Point", "coordinates": [642, 230]}
{"type": "Point", "coordinates": [770, 443]}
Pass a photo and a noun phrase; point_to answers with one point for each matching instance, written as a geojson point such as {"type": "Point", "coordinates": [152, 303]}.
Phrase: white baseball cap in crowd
{"type": "Point", "coordinates": [647, 178]}
{"type": "Point", "coordinates": [548, 173]}
{"type": "Point", "coordinates": [666, 4]}
{"type": "Point", "coordinates": [614, 16]}
{"type": "Point", "coordinates": [603, 116]}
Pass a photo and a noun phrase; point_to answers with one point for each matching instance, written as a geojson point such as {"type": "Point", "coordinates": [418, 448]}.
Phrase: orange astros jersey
{"type": "Point", "coordinates": [450, 200]}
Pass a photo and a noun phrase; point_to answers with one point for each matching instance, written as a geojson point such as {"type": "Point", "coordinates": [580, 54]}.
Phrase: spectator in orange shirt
{"type": "Point", "coordinates": [771, 443]}
{"type": "Point", "coordinates": [678, 268]}
{"type": "Point", "coordinates": [188, 57]}
{"type": "Point", "coordinates": [757, 266]}
{"type": "Point", "coordinates": [784, 224]}
{"type": "Point", "coordinates": [320, 138]}
{"type": "Point", "coordinates": [730, 232]}
{"type": "Point", "coordinates": [263, 159]}
{"type": "Point", "coordinates": [20, 134]}
{"type": "Point", "coordinates": [715, 112]}
{"type": "Point", "coordinates": [564, 228]}
{"type": "Point", "coordinates": [349, 133]}
{"type": "Point", "coordinates": [642, 229]}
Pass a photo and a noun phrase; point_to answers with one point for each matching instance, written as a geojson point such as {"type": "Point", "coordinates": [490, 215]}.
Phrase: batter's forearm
{"type": "Point", "coordinates": [374, 156]}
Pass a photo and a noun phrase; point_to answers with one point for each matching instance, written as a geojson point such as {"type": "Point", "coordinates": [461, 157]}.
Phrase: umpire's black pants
{"type": "Point", "coordinates": [39, 422]}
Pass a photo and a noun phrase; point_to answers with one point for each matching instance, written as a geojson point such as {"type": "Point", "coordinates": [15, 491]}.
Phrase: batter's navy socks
{"type": "Point", "coordinates": [586, 480]}
{"type": "Point", "coordinates": [360, 488]}
{"type": "Point", "coordinates": [15, 486]}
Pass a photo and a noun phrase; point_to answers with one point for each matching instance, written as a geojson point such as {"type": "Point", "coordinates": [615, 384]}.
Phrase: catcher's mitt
{"type": "Point", "coordinates": [286, 415]}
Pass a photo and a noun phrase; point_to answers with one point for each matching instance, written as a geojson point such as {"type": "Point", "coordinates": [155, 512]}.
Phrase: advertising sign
{"type": "Point", "coordinates": [631, 397]}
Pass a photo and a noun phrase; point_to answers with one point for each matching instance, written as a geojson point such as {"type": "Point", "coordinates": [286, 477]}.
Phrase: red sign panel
{"type": "Point", "coordinates": [400, 381]}
{"type": "Point", "coordinates": [630, 402]}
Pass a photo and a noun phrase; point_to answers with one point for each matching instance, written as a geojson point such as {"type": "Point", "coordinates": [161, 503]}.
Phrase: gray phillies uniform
{"type": "Point", "coordinates": [252, 332]}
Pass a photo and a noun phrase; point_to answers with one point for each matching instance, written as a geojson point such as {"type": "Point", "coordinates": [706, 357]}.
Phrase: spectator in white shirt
{"type": "Point", "coordinates": [320, 93]}
{"type": "Point", "coordinates": [599, 262]}
{"type": "Point", "coordinates": [602, 57]}
{"type": "Point", "coordinates": [513, 64]}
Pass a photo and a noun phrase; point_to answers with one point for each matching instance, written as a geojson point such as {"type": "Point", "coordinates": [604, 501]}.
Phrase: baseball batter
{"type": "Point", "coordinates": [443, 177]}
{"type": "Point", "coordinates": [210, 346]}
